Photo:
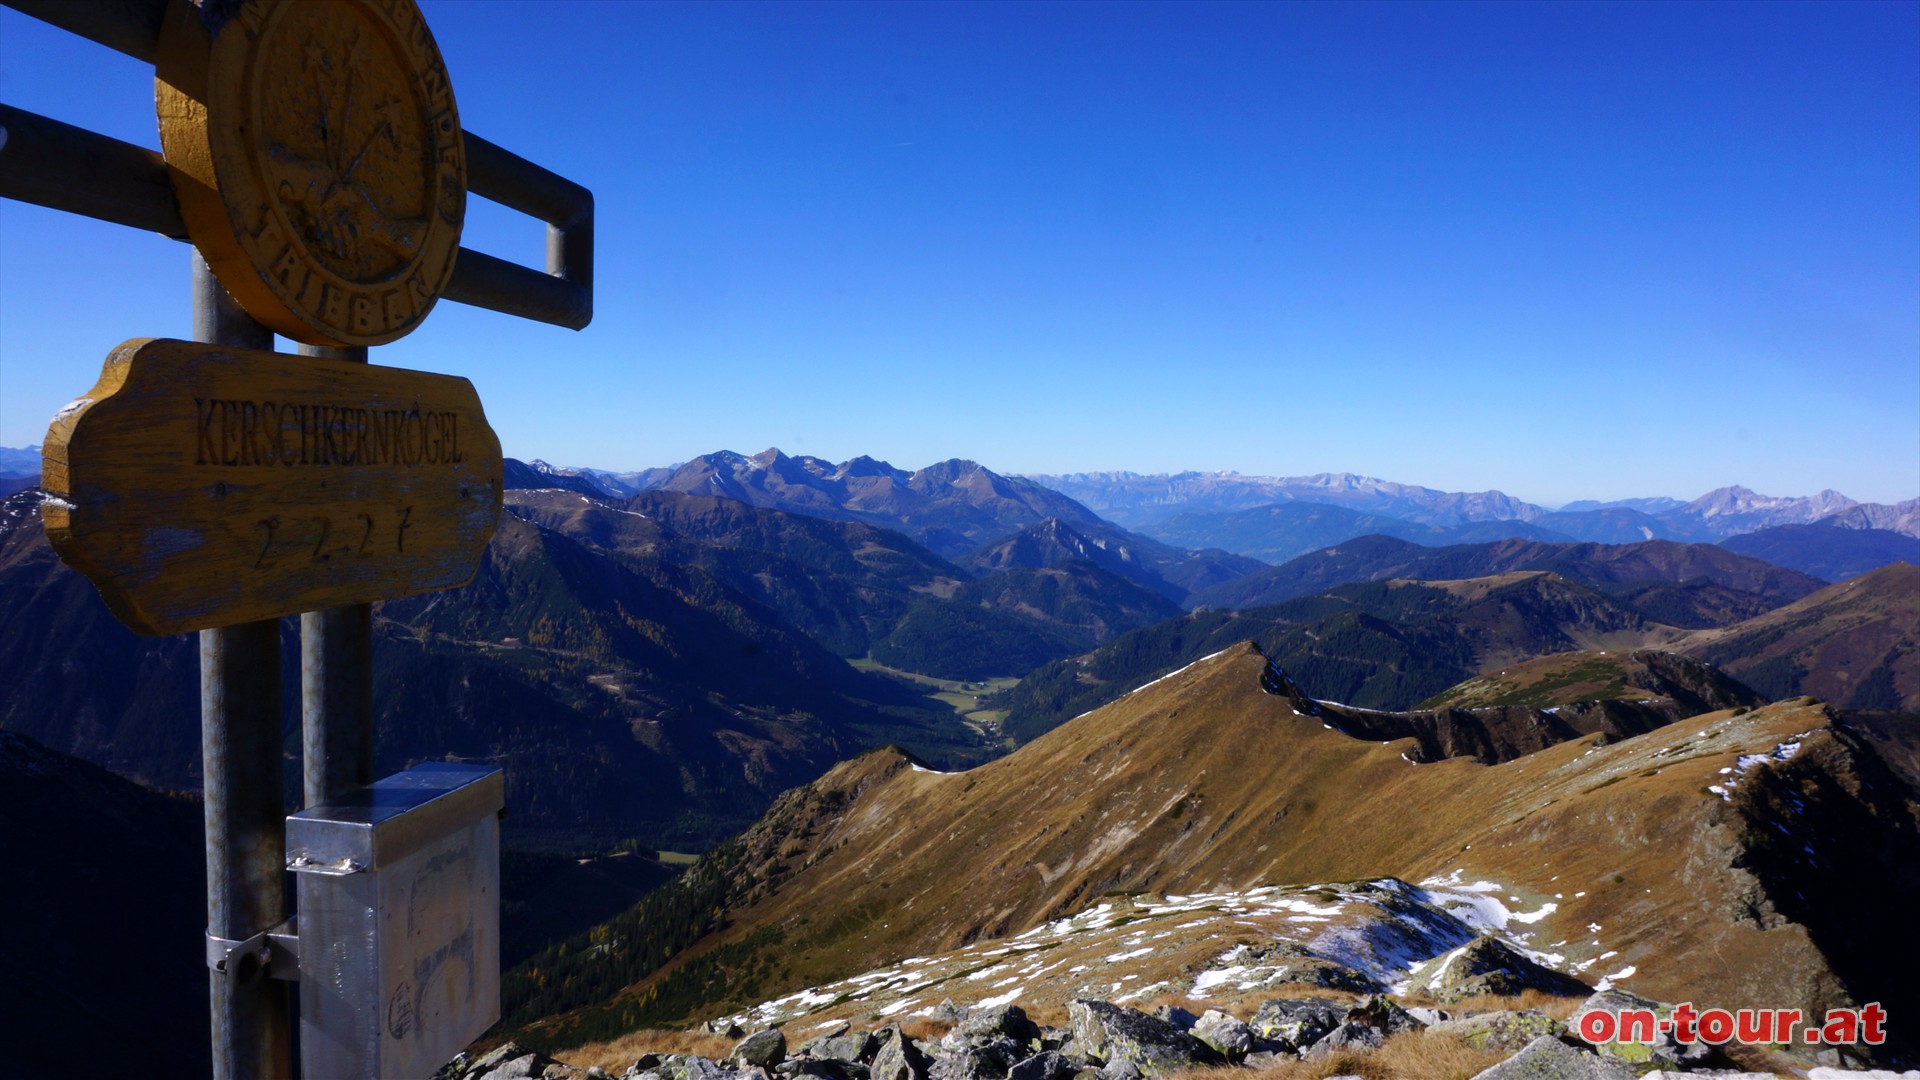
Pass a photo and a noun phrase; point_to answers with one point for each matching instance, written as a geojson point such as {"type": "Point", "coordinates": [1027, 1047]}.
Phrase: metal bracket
{"type": "Point", "coordinates": [274, 953]}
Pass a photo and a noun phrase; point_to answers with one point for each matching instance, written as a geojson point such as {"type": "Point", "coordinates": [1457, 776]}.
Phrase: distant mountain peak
{"type": "Point", "coordinates": [865, 466]}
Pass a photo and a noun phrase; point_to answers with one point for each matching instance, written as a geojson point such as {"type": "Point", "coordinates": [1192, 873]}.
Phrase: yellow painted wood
{"type": "Point", "coordinates": [317, 156]}
{"type": "Point", "coordinates": [200, 485]}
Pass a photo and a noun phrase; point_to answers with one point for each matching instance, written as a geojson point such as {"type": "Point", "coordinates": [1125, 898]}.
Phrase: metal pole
{"type": "Point", "coordinates": [336, 682]}
{"type": "Point", "coordinates": [245, 796]}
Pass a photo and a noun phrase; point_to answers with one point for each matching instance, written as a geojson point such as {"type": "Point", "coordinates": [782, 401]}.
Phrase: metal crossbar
{"type": "Point", "coordinates": [48, 163]}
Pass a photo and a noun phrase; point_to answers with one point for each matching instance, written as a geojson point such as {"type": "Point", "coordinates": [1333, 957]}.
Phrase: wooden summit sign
{"type": "Point", "coordinates": [200, 486]}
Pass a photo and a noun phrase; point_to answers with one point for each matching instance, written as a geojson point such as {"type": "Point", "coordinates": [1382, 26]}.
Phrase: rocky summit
{"type": "Point", "coordinates": [1367, 1037]}
{"type": "Point", "coordinates": [1215, 840]}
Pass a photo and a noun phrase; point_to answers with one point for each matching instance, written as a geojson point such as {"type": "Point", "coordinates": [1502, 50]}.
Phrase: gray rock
{"type": "Point", "coordinates": [493, 1058]}
{"type": "Point", "coordinates": [1547, 1058]}
{"type": "Point", "coordinates": [1296, 1023]}
{"type": "Point", "coordinates": [1383, 1013]}
{"type": "Point", "coordinates": [1233, 1038]}
{"type": "Point", "coordinates": [1506, 1031]}
{"type": "Point", "coordinates": [1735, 1074]}
{"type": "Point", "coordinates": [825, 1067]}
{"type": "Point", "coordinates": [1428, 1016]}
{"type": "Point", "coordinates": [899, 1057]}
{"type": "Point", "coordinates": [1047, 1065]}
{"type": "Point", "coordinates": [762, 1048]}
{"type": "Point", "coordinates": [1131, 1044]}
{"type": "Point", "coordinates": [1663, 1052]}
{"type": "Point", "coordinates": [845, 1046]}
{"type": "Point", "coordinates": [1000, 1021]}
{"type": "Point", "coordinates": [1177, 1016]}
{"type": "Point", "coordinates": [527, 1064]}
{"type": "Point", "coordinates": [1348, 1036]}
{"type": "Point", "coordinates": [1267, 1059]}
{"type": "Point", "coordinates": [976, 1057]}
{"type": "Point", "coordinates": [691, 1067]}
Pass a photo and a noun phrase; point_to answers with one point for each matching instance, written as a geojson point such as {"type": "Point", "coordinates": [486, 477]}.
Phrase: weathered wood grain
{"type": "Point", "coordinates": [200, 485]}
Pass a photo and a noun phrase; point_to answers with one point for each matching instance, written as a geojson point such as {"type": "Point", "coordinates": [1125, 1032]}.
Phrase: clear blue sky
{"type": "Point", "coordinates": [1562, 250]}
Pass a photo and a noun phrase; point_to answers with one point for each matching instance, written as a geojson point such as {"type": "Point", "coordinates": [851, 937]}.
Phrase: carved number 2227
{"type": "Point", "coordinates": [370, 538]}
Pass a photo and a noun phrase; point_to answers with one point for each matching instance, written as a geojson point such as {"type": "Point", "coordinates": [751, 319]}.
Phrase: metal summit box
{"type": "Point", "coordinates": [399, 889]}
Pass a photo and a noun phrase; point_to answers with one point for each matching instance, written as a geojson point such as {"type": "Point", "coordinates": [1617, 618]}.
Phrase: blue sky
{"type": "Point", "coordinates": [1567, 251]}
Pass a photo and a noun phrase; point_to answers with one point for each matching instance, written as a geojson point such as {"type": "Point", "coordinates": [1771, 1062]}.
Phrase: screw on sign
{"type": "Point", "coordinates": [318, 159]}
{"type": "Point", "coordinates": [201, 486]}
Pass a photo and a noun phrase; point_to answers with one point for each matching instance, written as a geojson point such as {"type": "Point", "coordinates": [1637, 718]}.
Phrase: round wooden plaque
{"type": "Point", "coordinates": [317, 156]}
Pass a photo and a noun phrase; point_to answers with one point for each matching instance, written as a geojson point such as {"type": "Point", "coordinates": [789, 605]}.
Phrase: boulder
{"type": "Point", "coordinates": [762, 1048]}
{"type": "Point", "coordinates": [846, 1046]}
{"type": "Point", "coordinates": [690, 1067]}
{"type": "Point", "coordinates": [1131, 1044]}
{"type": "Point", "coordinates": [1663, 1052]}
{"type": "Point", "coordinates": [977, 1059]}
{"type": "Point", "coordinates": [1347, 1036]}
{"type": "Point", "coordinates": [998, 1022]}
{"type": "Point", "coordinates": [1296, 1023]}
{"type": "Point", "coordinates": [523, 1065]}
{"type": "Point", "coordinates": [1507, 1031]}
{"type": "Point", "coordinates": [1547, 1058]}
{"type": "Point", "coordinates": [1047, 1065]}
{"type": "Point", "coordinates": [1177, 1016]}
{"type": "Point", "coordinates": [1428, 1016]}
{"type": "Point", "coordinates": [898, 1058]}
{"type": "Point", "coordinates": [1233, 1038]}
{"type": "Point", "coordinates": [1383, 1013]}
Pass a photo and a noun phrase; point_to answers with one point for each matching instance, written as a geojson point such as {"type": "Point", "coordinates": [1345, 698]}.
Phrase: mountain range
{"type": "Point", "coordinates": [656, 657]}
{"type": "Point", "coordinates": [1694, 861]}
{"type": "Point", "coordinates": [1272, 519]}
{"type": "Point", "coordinates": [1147, 502]}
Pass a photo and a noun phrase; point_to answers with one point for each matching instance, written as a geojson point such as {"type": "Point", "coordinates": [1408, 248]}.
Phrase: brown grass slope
{"type": "Point", "coordinates": [1202, 781]}
{"type": "Point", "coordinates": [1612, 675]}
{"type": "Point", "coordinates": [1855, 644]}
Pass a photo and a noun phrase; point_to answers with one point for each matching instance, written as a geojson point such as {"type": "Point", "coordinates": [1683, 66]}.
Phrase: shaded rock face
{"type": "Point", "coordinates": [1046, 1065]}
{"type": "Point", "coordinates": [1131, 1045]}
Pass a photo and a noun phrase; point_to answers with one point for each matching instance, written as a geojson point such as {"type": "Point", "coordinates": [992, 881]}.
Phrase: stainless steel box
{"type": "Point", "coordinates": [399, 891]}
